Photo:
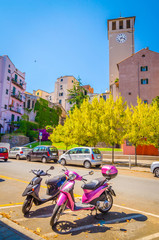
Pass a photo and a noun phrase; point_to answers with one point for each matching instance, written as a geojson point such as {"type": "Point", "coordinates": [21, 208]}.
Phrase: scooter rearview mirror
{"type": "Point", "coordinates": [52, 168]}
{"type": "Point", "coordinates": [91, 173]}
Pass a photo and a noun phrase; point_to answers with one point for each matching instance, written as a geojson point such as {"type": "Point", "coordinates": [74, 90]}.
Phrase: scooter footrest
{"type": "Point", "coordinates": [80, 206]}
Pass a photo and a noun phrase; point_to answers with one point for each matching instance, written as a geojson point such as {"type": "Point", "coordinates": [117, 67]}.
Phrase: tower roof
{"type": "Point", "coordinates": [120, 18]}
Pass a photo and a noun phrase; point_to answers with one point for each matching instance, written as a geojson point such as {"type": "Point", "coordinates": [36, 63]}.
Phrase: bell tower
{"type": "Point", "coordinates": [121, 46]}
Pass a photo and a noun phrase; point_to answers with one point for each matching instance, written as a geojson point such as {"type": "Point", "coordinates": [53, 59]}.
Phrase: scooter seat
{"type": "Point", "coordinates": [55, 180]}
{"type": "Point", "coordinates": [95, 183]}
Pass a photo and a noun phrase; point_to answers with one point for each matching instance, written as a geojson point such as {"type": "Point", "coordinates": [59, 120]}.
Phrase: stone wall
{"type": "Point", "coordinates": [15, 140]}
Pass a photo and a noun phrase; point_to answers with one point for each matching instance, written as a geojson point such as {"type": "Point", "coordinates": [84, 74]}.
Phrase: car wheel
{"type": "Point", "coordinates": [63, 161]}
{"type": "Point", "coordinates": [17, 157]}
{"type": "Point", "coordinates": [55, 161]}
{"type": "Point", "coordinates": [98, 165]}
{"type": "Point", "coordinates": [87, 164]}
{"type": "Point", "coordinates": [156, 172]}
{"type": "Point", "coordinates": [5, 160]}
{"type": "Point", "coordinates": [28, 158]}
{"type": "Point", "coordinates": [44, 160]}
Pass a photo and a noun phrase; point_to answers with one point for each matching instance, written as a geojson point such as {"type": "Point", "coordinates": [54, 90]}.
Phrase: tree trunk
{"type": "Point", "coordinates": [113, 154]}
{"type": "Point", "coordinates": [135, 157]}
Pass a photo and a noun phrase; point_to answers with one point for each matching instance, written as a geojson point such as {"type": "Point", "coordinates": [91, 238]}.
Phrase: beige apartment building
{"type": "Point", "coordinates": [121, 46]}
{"type": "Point", "coordinates": [61, 94]}
{"type": "Point", "coordinates": [139, 76]}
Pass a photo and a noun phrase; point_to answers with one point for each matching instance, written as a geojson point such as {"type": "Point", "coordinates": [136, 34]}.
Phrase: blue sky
{"type": "Point", "coordinates": [52, 38]}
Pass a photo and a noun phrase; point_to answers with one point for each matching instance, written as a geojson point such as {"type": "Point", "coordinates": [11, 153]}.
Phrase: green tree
{"type": "Point", "coordinates": [112, 122]}
{"type": "Point", "coordinates": [46, 115]}
{"type": "Point", "coordinates": [139, 130]}
{"type": "Point", "coordinates": [77, 94]}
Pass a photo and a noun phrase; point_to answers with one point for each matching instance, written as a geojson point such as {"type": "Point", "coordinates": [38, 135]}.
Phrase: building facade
{"type": "Point", "coordinates": [12, 87]}
{"type": "Point", "coordinates": [139, 76]}
{"type": "Point", "coordinates": [61, 94]}
{"type": "Point", "coordinates": [121, 46]}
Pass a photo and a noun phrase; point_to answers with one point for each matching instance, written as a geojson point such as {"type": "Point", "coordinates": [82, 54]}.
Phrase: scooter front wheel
{"type": "Point", "coordinates": [27, 204]}
{"type": "Point", "coordinates": [109, 205]}
{"type": "Point", "coordinates": [56, 214]}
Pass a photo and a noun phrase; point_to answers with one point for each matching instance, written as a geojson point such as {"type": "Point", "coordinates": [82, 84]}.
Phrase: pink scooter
{"type": "Point", "coordinates": [97, 193]}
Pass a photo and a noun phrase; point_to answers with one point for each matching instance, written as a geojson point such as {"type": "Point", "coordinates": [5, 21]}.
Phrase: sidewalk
{"type": "Point", "coordinates": [12, 231]}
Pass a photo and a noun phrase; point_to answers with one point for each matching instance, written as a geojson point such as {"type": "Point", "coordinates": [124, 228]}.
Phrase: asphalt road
{"type": "Point", "coordinates": [135, 212]}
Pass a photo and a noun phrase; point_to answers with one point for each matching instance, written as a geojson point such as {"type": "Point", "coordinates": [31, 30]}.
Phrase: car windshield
{"type": "Point", "coordinates": [96, 151]}
{"type": "Point", "coordinates": [3, 150]}
{"type": "Point", "coordinates": [53, 149]}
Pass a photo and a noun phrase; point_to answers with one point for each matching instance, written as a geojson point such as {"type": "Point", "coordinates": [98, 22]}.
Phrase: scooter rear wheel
{"type": "Point", "coordinates": [56, 214]}
{"type": "Point", "coordinates": [109, 198]}
{"type": "Point", "coordinates": [27, 204]}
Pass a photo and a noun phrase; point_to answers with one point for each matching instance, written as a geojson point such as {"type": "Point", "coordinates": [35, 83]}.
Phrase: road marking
{"type": "Point", "coordinates": [135, 210]}
{"type": "Point", "coordinates": [150, 237]}
{"type": "Point", "coordinates": [103, 223]}
{"type": "Point", "coordinates": [15, 179]}
{"type": "Point", "coordinates": [10, 204]}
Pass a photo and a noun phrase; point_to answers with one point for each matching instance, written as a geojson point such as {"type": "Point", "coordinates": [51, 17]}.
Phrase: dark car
{"type": "Point", "coordinates": [43, 153]}
{"type": "Point", "coordinates": [4, 153]}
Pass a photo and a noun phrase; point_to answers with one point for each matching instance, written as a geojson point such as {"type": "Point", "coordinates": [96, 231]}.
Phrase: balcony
{"type": "Point", "coordinates": [21, 84]}
{"type": "Point", "coordinates": [16, 110]}
{"type": "Point", "coordinates": [17, 96]}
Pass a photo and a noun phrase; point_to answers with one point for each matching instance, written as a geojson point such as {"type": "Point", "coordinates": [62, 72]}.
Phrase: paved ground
{"type": "Point", "coordinates": [121, 223]}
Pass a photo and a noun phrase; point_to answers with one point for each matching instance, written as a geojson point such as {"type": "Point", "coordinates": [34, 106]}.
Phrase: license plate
{"type": "Point", "coordinates": [99, 157]}
{"type": "Point", "coordinates": [54, 154]}
{"type": "Point", "coordinates": [1, 157]}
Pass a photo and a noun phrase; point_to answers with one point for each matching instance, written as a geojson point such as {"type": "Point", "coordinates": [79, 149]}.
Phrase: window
{"type": "Point", "coordinates": [72, 81]}
{"type": "Point", "coordinates": [12, 118]}
{"type": "Point", "coordinates": [113, 25]}
{"type": "Point", "coordinates": [9, 65]}
{"type": "Point", "coordinates": [36, 149]}
{"type": "Point", "coordinates": [61, 80]}
{"type": "Point", "coordinates": [9, 71]}
{"type": "Point", "coordinates": [14, 90]}
{"type": "Point", "coordinates": [18, 118]}
{"type": "Point", "coordinates": [70, 102]}
{"type": "Point", "coordinates": [104, 97]}
{"type": "Point", "coordinates": [5, 106]}
{"type": "Point", "coordinates": [61, 94]}
{"type": "Point", "coordinates": [28, 103]}
{"type": "Point", "coordinates": [72, 151]}
{"type": "Point", "coordinates": [37, 93]}
{"type": "Point", "coordinates": [8, 78]}
{"type": "Point", "coordinates": [86, 150]}
{"type": "Point", "coordinates": [32, 104]}
{"type": "Point", "coordinates": [144, 81]}
{"type": "Point", "coordinates": [24, 104]}
{"type": "Point", "coordinates": [7, 91]}
{"type": "Point", "coordinates": [145, 101]}
{"type": "Point", "coordinates": [144, 69]}
{"type": "Point", "coordinates": [61, 87]}
{"type": "Point", "coordinates": [96, 151]}
{"type": "Point", "coordinates": [127, 23]}
{"type": "Point", "coordinates": [60, 101]}
{"type": "Point", "coordinates": [129, 93]}
{"type": "Point", "coordinates": [120, 24]}
{"type": "Point", "coordinates": [16, 76]}
{"type": "Point", "coordinates": [143, 55]}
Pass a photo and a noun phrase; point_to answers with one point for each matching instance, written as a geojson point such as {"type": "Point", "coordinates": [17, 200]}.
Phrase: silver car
{"type": "Point", "coordinates": [19, 152]}
{"type": "Point", "coordinates": [155, 168]}
{"type": "Point", "coordinates": [86, 156]}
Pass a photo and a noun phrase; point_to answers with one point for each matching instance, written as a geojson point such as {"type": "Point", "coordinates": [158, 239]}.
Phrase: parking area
{"type": "Point", "coordinates": [119, 223]}
{"type": "Point", "coordinates": [122, 222]}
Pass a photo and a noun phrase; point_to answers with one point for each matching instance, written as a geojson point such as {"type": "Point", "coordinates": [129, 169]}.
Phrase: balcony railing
{"type": "Point", "coordinates": [16, 110]}
{"type": "Point", "coordinates": [19, 84]}
{"type": "Point", "coordinates": [17, 96]}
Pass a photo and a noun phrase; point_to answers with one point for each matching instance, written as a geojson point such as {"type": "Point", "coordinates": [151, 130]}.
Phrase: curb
{"type": "Point", "coordinates": [18, 230]}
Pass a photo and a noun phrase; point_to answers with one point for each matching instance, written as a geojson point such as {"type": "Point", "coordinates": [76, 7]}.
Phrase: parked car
{"type": "Point", "coordinates": [86, 156]}
{"type": "Point", "coordinates": [43, 153]}
{"type": "Point", "coordinates": [155, 168]}
{"type": "Point", "coordinates": [19, 152]}
{"type": "Point", "coordinates": [4, 153]}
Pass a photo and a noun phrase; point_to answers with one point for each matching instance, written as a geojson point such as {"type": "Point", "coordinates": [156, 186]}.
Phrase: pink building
{"type": "Point", "coordinates": [12, 87]}
{"type": "Point", "coordinates": [139, 76]}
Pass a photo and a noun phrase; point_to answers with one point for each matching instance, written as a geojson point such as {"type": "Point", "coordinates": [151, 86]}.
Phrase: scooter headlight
{"type": "Point", "coordinates": [72, 176]}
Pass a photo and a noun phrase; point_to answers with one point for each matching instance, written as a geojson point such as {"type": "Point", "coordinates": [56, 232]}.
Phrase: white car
{"type": "Point", "coordinates": [155, 168]}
